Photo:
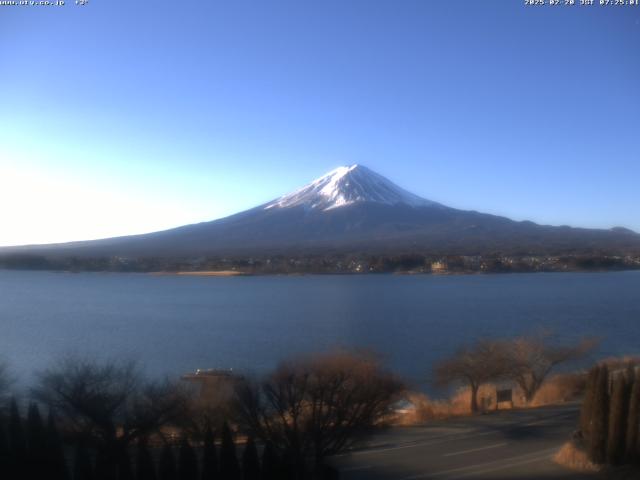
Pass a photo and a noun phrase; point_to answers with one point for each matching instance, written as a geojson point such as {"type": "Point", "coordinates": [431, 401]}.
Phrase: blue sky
{"type": "Point", "coordinates": [124, 117]}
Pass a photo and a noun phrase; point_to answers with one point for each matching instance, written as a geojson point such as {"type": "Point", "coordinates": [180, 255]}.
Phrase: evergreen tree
{"type": "Point", "coordinates": [167, 470]}
{"type": "Point", "coordinates": [632, 442]}
{"type": "Point", "coordinates": [617, 418]}
{"type": "Point", "coordinates": [187, 462]}
{"type": "Point", "coordinates": [287, 470]}
{"type": "Point", "coordinates": [270, 463]}
{"type": "Point", "coordinates": [4, 448]}
{"type": "Point", "coordinates": [17, 440]}
{"type": "Point", "coordinates": [106, 466]}
{"type": "Point", "coordinates": [229, 468]}
{"type": "Point", "coordinates": [145, 467]}
{"type": "Point", "coordinates": [56, 461]}
{"type": "Point", "coordinates": [124, 466]}
{"type": "Point", "coordinates": [599, 428]}
{"type": "Point", "coordinates": [586, 412]}
{"type": "Point", "coordinates": [209, 457]}
{"type": "Point", "coordinates": [36, 444]}
{"type": "Point", "coordinates": [82, 466]}
{"type": "Point", "coordinates": [250, 461]}
{"type": "Point", "coordinates": [36, 434]}
{"type": "Point", "coordinates": [17, 444]}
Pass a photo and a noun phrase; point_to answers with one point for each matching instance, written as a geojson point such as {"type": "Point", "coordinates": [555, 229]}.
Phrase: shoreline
{"type": "Point", "coordinates": [204, 273]}
{"type": "Point", "coordinates": [239, 273]}
{"type": "Point", "coordinates": [235, 273]}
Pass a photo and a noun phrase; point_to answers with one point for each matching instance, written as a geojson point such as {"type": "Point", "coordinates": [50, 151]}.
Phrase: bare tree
{"type": "Point", "coordinates": [318, 406]}
{"type": "Point", "coordinates": [5, 382]}
{"type": "Point", "coordinates": [473, 365]}
{"type": "Point", "coordinates": [209, 405]}
{"type": "Point", "coordinates": [107, 404]}
{"type": "Point", "coordinates": [532, 358]}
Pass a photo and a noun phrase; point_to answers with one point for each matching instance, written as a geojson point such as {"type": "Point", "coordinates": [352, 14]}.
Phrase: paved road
{"type": "Point", "coordinates": [514, 444]}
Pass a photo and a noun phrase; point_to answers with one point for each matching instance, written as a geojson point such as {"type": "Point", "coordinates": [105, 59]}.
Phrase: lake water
{"type": "Point", "coordinates": [175, 324]}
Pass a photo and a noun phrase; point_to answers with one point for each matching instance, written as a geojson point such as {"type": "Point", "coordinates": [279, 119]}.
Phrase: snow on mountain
{"type": "Point", "coordinates": [345, 186]}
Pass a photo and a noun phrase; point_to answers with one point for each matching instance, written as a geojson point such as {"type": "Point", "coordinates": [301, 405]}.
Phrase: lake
{"type": "Point", "coordinates": [175, 324]}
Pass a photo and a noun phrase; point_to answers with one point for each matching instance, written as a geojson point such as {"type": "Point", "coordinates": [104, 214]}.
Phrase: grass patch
{"type": "Point", "coordinates": [575, 458]}
{"type": "Point", "coordinates": [558, 389]}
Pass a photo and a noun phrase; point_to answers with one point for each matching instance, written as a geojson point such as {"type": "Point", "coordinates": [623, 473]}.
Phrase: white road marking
{"type": "Point", "coordinates": [456, 436]}
{"type": "Point", "coordinates": [471, 450]}
{"type": "Point", "coordinates": [548, 420]}
{"type": "Point", "coordinates": [489, 466]}
{"type": "Point", "coordinates": [418, 444]}
{"type": "Point", "coordinates": [355, 469]}
{"type": "Point", "coordinates": [507, 465]}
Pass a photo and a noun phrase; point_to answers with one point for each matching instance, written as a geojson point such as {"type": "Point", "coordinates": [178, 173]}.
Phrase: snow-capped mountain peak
{"type": "Point", "coordinates": [345, 186]}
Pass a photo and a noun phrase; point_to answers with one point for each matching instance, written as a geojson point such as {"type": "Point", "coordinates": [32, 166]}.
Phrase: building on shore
{"type": "Point", "coordinates": [439, 266]}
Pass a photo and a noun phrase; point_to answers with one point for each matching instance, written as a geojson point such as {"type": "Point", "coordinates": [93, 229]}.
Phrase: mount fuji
{"type": "Point", "coordinates": [347, 186]}
{"type": "Point", "coordinates": [351, 209]}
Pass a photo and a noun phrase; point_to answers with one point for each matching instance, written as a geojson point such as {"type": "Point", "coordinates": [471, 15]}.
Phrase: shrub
{"type": "Point", "coordinates": [572, 456]}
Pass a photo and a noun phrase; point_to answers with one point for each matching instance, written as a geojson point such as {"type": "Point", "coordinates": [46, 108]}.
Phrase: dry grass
{"type": "Point", "coordinates": [573, 457]}
{"type": "Point", "coordinates": [558, 389]}
{"type": "Point", "coordinates": [459, 404]}
{"type": "Point", "coordinates": [424, 410]}
{"type": "Point", "coordinates": [619, 363]}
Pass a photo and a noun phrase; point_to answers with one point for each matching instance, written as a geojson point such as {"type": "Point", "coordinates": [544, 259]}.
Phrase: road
{"type": "Point", "coordinates": [513, 444]}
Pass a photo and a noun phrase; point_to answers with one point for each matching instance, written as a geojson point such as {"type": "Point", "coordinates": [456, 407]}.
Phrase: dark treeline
{"type": "Point", "coordinates": [610, 417]}
{"type": "Point", "coordinates": [31, 449]}
{"type": "Point", "coordinates": [105, 421]}
{"type": "Point", "coordinates": [331, 263]}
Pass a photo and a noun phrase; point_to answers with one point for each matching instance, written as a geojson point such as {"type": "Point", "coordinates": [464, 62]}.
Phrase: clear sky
{"type": "Point", "coordinates": [125, 116]}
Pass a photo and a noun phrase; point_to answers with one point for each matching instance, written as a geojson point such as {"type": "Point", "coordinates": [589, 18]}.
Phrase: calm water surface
{"type": "Point", "coordinates": [173, 324]}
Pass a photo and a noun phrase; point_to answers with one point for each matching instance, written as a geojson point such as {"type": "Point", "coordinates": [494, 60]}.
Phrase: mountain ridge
{"type": "Point", "coordinates": [349, 209]}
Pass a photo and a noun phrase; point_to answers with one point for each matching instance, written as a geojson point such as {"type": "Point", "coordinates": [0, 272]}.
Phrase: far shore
{"type": "Point", "coordinates": [206, 273]}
